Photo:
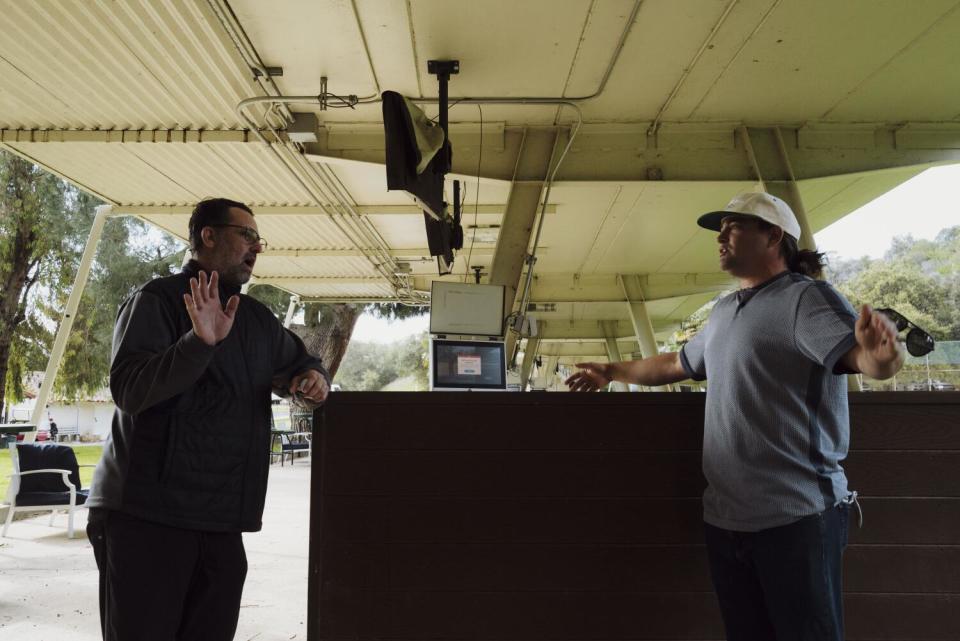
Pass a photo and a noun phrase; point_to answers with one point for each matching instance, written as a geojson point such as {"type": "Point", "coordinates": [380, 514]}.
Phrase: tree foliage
{"type": "Point", "coordinates": [918, 278]}
{"type": "Point", "coordinates": [43, 224]}
{"type": "Point", "coordinates": [327, 328]}
{"type": "Point", "coordinates": [370, 366]}
{"type": "Point", "coordinates": [128, 256]}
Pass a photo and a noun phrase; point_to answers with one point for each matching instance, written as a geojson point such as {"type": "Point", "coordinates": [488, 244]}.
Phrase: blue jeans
{"type": "Point", "coordinates": [784, 583]}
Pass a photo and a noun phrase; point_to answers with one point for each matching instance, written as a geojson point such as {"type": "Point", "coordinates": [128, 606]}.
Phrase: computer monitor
{"type": "Point", "coordinates": [467, 365]}
{"type": "Point", "coordinates": [466, 309]}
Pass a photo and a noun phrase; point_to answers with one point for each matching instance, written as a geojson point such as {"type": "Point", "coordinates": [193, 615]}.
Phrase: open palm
{"type": "Point", "coordinates": [211, 321]}
{"type": "Point", "coordinates": [589, 378]}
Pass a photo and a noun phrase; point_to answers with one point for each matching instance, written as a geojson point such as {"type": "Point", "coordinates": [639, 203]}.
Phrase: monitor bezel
{"type": "Point", "coordinates": [467, 386]}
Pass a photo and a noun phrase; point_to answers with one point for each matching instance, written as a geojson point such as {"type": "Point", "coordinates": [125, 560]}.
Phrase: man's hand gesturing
{"type": "Point", "coordinates": [877, 336]}
{"type": "Point", "coordinates": [590, 377]}
{"type": "Point", "coordinates": [211, 321]}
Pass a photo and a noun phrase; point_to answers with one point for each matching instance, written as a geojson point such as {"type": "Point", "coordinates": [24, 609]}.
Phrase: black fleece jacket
{"type": "Point", "coordinates": [189, 444]}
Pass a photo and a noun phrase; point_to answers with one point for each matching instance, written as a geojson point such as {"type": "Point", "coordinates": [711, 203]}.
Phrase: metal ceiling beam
{"type": "Point", "coordinates": [618, 151]}
{"type": "Point", "coordinates": [587, 350]}
{"type": "Point", "coordinates": [133, 136]}
{"type": "Point", "coordinates": [301, 210]}
{"type": "Point", "coordinates": [767, 153]}
{"type": "Point", "coordinates": [292, 281]}
{"type": "Point", "coordinates": [596, 329]}
{"type": "Point", "coordinates": [555, 288]}
{"type": "Point", "coordinates": [562, 288]}
{"type": "Point", "coordinates": [704, 151]}
{"type": "Point", "coordinates": [529, 176]}
{"type": "Point", "coordinates": [352, 300]}
{"type": "Point", "coordinates": [417, 253]}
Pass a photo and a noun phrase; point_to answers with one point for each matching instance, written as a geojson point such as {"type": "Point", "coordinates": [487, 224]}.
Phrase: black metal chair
{"type": "Point", "coordinates": [46, 476]}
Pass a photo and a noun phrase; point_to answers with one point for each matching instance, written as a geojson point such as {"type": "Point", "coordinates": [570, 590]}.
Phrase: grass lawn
{"type": "Point", "coordinates": [86, 455]}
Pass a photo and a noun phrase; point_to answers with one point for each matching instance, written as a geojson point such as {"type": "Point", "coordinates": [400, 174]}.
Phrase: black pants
{"type": "Point", "coordinates": [781, 584]}
{"type": "Point", "coordinates": [160, 583]}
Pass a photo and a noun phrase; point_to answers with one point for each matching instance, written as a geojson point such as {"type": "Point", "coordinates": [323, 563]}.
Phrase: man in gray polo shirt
{"type": "Point", "coordinates": [776, 423]}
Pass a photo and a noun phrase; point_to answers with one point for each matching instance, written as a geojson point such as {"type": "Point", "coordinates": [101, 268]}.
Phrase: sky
{"type": "Point", "coordinates": [921, 207]}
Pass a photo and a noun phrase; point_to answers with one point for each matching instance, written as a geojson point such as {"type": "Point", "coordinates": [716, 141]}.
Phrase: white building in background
{"type": "Point", "coordinates": [88, 417]}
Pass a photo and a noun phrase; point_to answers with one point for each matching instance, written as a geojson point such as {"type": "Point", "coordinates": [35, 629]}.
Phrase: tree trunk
{"type": "Point", "coordinates": [327, 332]}
{"type": "Point", "coordinates": [4, 357]}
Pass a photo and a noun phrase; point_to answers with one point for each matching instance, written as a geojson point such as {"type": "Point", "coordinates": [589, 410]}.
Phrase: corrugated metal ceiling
{"type": "Point", "coordinates": [171, 65]}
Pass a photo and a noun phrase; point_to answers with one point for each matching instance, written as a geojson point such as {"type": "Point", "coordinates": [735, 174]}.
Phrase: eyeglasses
{"type": "Point", "coordinates": [249, 234]}
{"type": "Point", "coordinates": [919, 343]}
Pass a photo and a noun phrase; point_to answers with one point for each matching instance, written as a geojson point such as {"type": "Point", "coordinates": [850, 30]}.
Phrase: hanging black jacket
{"type": "Point", "coordinates": [189, 445]}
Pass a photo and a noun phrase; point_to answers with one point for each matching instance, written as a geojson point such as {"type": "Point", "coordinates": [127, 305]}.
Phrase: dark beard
{"type": "Point", "coordinates": [235, 276]}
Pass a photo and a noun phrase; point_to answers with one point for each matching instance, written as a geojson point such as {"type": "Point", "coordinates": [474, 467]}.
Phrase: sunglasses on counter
{"type": "Point", "coordinates": [919, 343]}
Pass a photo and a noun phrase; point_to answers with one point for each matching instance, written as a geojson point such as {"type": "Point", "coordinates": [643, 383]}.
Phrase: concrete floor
{"type": "Point", "coordinates": [48, 583]}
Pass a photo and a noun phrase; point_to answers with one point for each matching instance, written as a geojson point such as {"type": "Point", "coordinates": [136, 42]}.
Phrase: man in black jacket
{"type": "Point", "coordinates": [184, 470]}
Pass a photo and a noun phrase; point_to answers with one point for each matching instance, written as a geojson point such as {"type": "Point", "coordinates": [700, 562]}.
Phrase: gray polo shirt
{"type": "Point", "coordinates": [776, 423]}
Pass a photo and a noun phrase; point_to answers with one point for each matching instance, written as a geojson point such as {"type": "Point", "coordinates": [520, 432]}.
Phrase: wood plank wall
{"type": "Point", "coordinates": [569, 517]}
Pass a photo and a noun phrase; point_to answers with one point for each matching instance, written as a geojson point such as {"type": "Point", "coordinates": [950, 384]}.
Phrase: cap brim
{"type": "Point", "coordinates": [714, 219]}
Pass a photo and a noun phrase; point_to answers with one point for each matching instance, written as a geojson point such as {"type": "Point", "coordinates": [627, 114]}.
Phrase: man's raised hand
{"type": "Point", "coordinates": [589, 378]}
{"type": "Point", "coordinates": [877, 336]}
{"type": "Point", "coordinates": [211, 321]}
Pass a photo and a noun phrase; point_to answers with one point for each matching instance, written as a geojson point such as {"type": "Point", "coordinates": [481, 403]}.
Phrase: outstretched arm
{"type": "Point", "coordinates": [656, 370]}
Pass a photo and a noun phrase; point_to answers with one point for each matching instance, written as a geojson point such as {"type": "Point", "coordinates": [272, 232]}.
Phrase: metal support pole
{"type": "Point", "coordinates": [789, 192]}
{"type": "Point", "coordinates": [548, 373]}
{"type": "Point", "coordinates": [613, 350]}
{"type": "Point", "coordinates": [642, 326]}
{"type": "Point", "coordinates": [73, 302]}
{"type": "Point", "coordinates": [529, 355]}
{"type": "Point", "coordinates": [291, 310]}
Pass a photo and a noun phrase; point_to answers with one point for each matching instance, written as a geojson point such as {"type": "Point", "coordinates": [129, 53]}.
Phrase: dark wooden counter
{"type": "Point", "coordinates": [573, 517]}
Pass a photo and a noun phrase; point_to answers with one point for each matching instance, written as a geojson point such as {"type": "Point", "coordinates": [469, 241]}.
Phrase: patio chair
{"type": "Point", "coordinates": [46, 476]}
{"type": "Point", "coordinates": [290, 443]}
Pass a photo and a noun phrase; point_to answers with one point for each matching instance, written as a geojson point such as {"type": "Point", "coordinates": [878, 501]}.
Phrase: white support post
{"type": "Point", "coordinates": [73, 302]}
{"type": "Point", "coordinates": [529, 355]}
{"type": "Point", "coordinates": [291, 310]}
{"type": "Point", "coordinates": [548, 376]}
{"type": "Point", "coordinates": [613, 350]}
{"type": "Point", "coordinates": [789, 192]}
{"type": "Point", "coordinates": [642, 326]}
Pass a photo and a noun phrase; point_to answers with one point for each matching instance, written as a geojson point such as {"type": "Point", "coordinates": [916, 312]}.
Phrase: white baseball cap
{"type": "Point", "coordinates": [757, 204]}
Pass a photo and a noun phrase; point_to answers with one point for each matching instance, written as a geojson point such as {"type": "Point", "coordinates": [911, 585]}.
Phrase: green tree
{"type": "Point", "coordinates": [918, 278]}
{"type": "Point", "coordinates": [43, 224]}
{"type": "Point", "coordinates": [327, 327]}
{"type": "Point", "coordinates": [125, 261]}
{"type": "Point", "coordinates": [370, 366]}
